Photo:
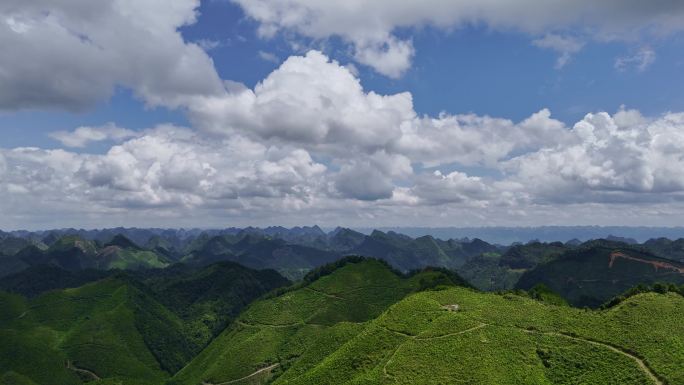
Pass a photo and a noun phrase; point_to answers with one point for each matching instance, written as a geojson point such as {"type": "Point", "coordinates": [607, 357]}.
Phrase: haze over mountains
{"type": "Point", "coordinates": [294, 252]}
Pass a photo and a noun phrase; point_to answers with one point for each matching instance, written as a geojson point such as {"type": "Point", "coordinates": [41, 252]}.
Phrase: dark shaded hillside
{"type": "Point", "coordinates": [10, 264]}
{"type": "Point", "coordinates": [405, 253]}
{"type": "Point", "coordinates": [75, 253]}
{"type": "Point", "coordinates": [133, 327]}
{"type": "Point", "coordinates": [109, 328]}
{"type": "Point", "coordinates": [599, 271]}
{"type": "Point", "coordinates": [36, 280]}
{"type": "Point", "coordinates": [345, 240]}
{"type": "Point", "coordinates": [257, 252]}
{"type": "Point", "coordinates": [497, 269]}
{"type": "Point", "coordinates": [531, 254]}
{"type": "Point", "coordinates": [208, 299]}
{"type": "Point", "coordinates": [10, 245]}
{"type": "Point", "coordinates": [666, 248]}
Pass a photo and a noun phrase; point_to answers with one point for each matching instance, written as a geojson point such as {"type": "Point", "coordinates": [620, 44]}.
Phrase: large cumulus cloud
{"type": "Point", "coordinates": [167, 167]}
{"type": "Point", "coordinates": [71, 54]}
{"type": "Point", "coordinates": [311, 100]}
{"type": "Point", "coordinates": [619, 157]}
{"type": "Point", "coordinates": [309, 144]}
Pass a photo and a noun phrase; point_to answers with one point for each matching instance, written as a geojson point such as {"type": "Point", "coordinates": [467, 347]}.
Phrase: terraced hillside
{"type": "Point", "coordinates": [457, 336]}
{"type": "Point", "coordinates": [288, 335]}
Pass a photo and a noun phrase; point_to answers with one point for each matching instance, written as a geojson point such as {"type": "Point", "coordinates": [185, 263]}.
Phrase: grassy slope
{"type": "Point", "coordinates": [495, 339]}
{"type": "Point", "coordinates": [299, 328]}
{"type": "Point", "coordinates": [100, 327]}
{"type": "Point", "coordinates": [134, 259]}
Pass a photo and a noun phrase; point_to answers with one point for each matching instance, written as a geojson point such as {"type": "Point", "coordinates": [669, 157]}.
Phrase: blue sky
{"type": "Point", "coordinates": [470, 69]}
{"type": "Point", "coordinates": [480, 81]}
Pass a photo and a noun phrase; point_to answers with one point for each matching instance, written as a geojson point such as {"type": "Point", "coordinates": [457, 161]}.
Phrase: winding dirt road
{"type": "Point", "coordinates": [262, 370]}
{"type": "Point", "coordinates": [642, 365]}
{"type": "Point", "coordinates": [70, 365]}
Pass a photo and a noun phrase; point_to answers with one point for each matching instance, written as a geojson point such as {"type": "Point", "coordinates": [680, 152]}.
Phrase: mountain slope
{"type": "Point", "coordinates": [132, 327]}
{"type": "Point", "coordinates": [462, 336]}
{"type": "Point", "coordinates": [601, 270]}
{"type": "Point", "coordinates": [208, 298]}
{"type": "Point", "coordinates": [259, 252]}
{"type": "Point", "coordinates": [107, 329]}
{"type": "Point", "coordinates": [290, 333]}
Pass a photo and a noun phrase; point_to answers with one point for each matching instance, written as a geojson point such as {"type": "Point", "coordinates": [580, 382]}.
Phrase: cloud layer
{"type": "Point", "coordinates": [71, 54]}
{"type": "Point", "coordinates": [309, 142]}
{"type": "Point", "coordinates": [371, 28]}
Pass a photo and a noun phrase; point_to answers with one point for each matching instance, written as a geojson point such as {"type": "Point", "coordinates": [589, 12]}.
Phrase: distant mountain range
{"type": "Point", "coordinates": [508, 235]}
{"type": "Point", "coordinates": [294, 252]}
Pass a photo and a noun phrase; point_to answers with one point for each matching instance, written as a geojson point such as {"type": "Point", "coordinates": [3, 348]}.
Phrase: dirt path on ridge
{"type": "Point", "coordinates": [92, 375]}
{"type": "Point", "coordinates": [266, 369]}
{"type": "Point", "coordinates": [642, 365]}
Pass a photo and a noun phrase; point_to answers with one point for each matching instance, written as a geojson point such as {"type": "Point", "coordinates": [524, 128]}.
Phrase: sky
{"type": "Point", "coordinates": [365, 114]}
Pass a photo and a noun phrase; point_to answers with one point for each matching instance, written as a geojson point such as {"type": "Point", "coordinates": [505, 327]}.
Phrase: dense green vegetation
{"type": "Point", "coordinates": [442, 336]}
{"type": "Point", "coordinates": [355, 321]}
{"type": "Point", "coordinates": [506, 339]}
{"type": "Point", "coordinates": [183, 309]}
{"type": "Point", "coordinates": [93, 327]}
{"type": "Point", "coordinates": [299, 327]}
{"type": "Point", "coordinates": [36, 280]}
{"type": "Point", "coordinates": [130, 328]}
{"type": "Point", "coordinates": [598, 271]}
{"type": "Point", "coordinates": [208, 298]}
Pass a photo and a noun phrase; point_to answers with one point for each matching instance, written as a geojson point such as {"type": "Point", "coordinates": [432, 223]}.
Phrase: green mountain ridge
{"type": "Point", "coordinates": [591, 275]}
{"type": "Point", "coordinates": [129, 328]}
{"type": "Point", "coordinates": [290, 332]}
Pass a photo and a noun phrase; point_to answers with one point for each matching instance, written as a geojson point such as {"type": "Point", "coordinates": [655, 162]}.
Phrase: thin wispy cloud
{"type": "Point", "coordinates": [640, 60]}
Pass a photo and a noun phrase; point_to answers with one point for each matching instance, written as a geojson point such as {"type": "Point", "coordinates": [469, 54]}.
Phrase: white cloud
{"type": "Point", "coordinates": [309, 144]}
{"type": "Point", "coordinates": [208, 44]}
{"type": "Point", "coordinates": [82, 136]}
{"type": "Point", "coordinates": [640, 60]}
{"type": "Point", "coordinates": [624, 157]}
{"type": "Point", "coordinates": [311, 101]}
{"type": "Point", "coordinates": [71, 54]}
{"type": "Point", "coordinates": [166, 167]}
{"type": "Point", "coordinates": [268, 56]}
{"type": "Point", "coordinates": [389, 56]}
{"type": "Point", "coordinates": [565, 46]}
{"type": "Point", "coordinates": [315, 103]}
{"type": "Point", "coordinates": [596, 173]}
{"type": "Point", "coordinates": [455, 187]}
{"type": "Point", "coordinates": [475, 140]}
{"type": "Point", "coordinates": [360, 180]}
{"type": "Point", "coordinates": [371, 27]}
